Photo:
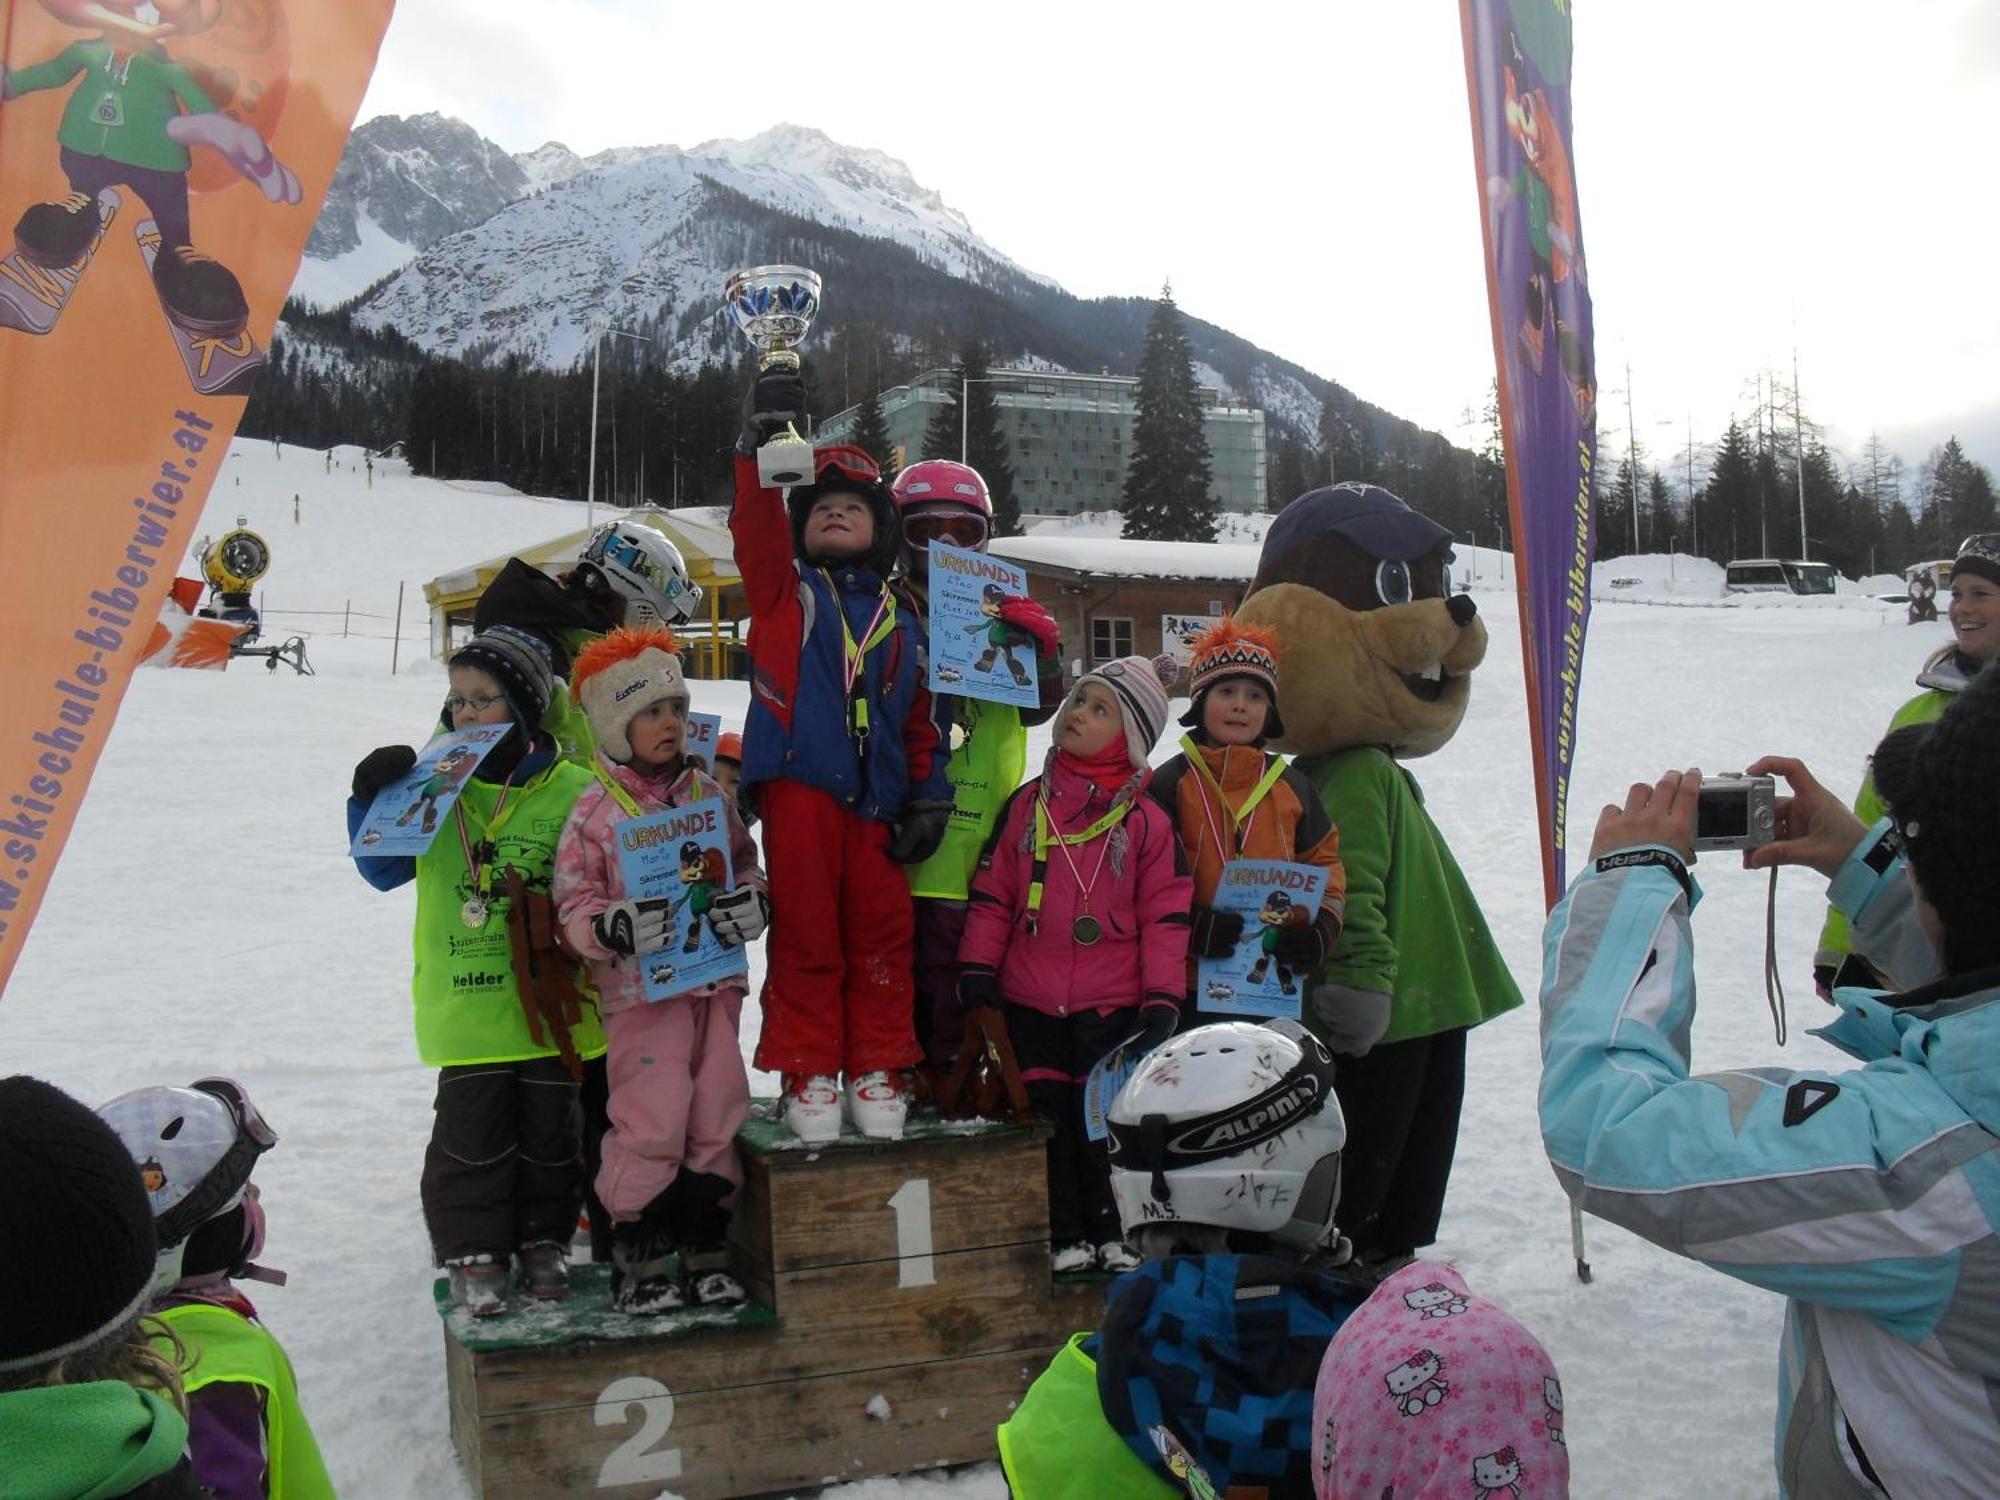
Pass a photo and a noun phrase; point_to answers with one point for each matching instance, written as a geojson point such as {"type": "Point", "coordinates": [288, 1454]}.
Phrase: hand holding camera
{"type": "Point", "coordinates": [1812, 826]}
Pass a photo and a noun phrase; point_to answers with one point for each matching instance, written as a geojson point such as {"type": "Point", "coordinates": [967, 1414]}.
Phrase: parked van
{"type": "Point", "coordinates": [1772, 575]}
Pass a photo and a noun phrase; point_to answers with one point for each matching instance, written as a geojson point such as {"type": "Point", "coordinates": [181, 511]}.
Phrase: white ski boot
{"type": "Point", "coordinates": [1075, 1255]}
{"type": "Point", "coordinates": [878, 1104]}
{"type": "Point", "coordinates": [1117, 1257]}
{"type": "Point", "coordinates": [812, 1108]}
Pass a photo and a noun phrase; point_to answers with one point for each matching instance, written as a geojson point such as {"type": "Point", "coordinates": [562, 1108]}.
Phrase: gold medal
{"type": "Point", "coordinates": [1086, 930]}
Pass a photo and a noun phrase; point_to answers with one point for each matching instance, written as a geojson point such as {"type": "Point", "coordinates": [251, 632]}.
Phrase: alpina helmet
{"type": "Point", "coordinates": [1234, 1126]}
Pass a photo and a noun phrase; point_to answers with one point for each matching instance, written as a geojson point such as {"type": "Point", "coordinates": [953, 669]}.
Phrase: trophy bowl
{"type": "Point", "coordinates": [774, 306]}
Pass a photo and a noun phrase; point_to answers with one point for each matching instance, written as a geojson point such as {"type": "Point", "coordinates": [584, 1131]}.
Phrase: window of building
{"type": "Point", "coordinates": [1110, 639]}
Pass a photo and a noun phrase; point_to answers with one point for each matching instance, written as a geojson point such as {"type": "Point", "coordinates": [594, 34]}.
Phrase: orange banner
{"type": "Point", "coordinates": [160, 168]}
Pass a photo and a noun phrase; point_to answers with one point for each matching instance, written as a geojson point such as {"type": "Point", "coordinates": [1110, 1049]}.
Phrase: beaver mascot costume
{"type": "Point", "coordinates": [1376, 670]}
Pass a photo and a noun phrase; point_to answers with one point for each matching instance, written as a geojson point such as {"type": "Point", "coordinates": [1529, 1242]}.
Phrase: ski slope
{"type": "Point", "coordinates": [205, 918]}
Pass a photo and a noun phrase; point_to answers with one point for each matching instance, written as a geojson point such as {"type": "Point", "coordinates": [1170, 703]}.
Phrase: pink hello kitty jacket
{"type": "Point", "coordinates": [1431, 1393]}
{"type": "Point", "coordinates": [588, 877]}
{"type": "Point", "coordinates": [1140, 899]}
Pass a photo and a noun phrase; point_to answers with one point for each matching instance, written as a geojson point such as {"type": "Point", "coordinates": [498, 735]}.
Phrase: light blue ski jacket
{"type": "Point", "coordinates": [1869, 1198]}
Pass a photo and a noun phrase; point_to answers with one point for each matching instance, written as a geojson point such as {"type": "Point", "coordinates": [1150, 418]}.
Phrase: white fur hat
{"type": "Point", "coordinates": [624, 672]}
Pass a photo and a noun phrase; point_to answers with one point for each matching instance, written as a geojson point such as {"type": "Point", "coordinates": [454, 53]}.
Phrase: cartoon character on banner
{"type": "Point", "coordinates": [168, 98]}
{"type": "Point", "coordinates": [1376, 670]}
{"type": "Point", "coordinates": [1545, 185]}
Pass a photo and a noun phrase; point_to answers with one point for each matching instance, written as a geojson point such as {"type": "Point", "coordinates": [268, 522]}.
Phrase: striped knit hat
{"type": "Point", "coordinates": [622, 673]}
{"type": "Point", "coordinates": [1231, 650]}
{"type": "Point", "coordinates": [520, 662]}
{"type": "Point", "coordinates": [1140, 686]}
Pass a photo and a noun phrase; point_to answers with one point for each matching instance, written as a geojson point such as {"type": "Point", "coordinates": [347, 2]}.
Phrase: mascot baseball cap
{"type": "Point", "coordinates": [1366, 514]}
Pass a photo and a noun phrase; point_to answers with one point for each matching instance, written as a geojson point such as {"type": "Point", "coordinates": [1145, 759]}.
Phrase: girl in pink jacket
{"type": "Point", "coordinates": [1078, 921]}
{"type": "Point", "coordinates": [678, 1089]}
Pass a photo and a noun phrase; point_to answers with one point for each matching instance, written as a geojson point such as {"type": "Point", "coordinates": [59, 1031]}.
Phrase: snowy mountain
{"type": "Point", "coordinates": [646, 237]}
{"type": "Point", "coordinates": [401, 186]}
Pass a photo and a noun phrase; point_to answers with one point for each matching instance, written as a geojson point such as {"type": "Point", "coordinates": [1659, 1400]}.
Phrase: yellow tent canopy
{"type": "Point", "coordinates": [701, 533]}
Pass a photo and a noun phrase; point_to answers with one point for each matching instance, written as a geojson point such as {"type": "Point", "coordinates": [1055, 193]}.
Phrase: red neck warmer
{"type": "Point", "coordinates": [1107, 770]}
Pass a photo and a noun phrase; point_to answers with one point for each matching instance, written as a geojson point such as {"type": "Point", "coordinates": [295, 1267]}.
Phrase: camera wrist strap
{"type": "Point", "coordinates": [1774, 987]}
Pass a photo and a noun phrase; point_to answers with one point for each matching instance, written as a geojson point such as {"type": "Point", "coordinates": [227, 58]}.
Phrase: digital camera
{"type": "Point", "coordinates": [1736, 812]}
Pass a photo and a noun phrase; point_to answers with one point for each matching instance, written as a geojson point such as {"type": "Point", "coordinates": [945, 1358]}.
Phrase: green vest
{"type": "Point", "coordinates": [468, 1009]}
{"type": "Point", "coordinates": [569, 726]}
{"type": "Point", "coordinates": [1836, 939]}
{"type": "Point", "coordinates": [1057, 1445]}
{"type": "Point", "coordinates": [226, 1346]}
{"type": "Point", "coordinates": [984, 770]}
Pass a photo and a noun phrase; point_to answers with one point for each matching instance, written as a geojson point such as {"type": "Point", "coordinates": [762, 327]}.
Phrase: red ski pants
{"type": "Point", "coordinates": [837, 976]}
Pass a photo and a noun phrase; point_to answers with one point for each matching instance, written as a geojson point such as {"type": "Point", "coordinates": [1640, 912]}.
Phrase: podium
{"type": "Point", "coordinates": [901, 1303]}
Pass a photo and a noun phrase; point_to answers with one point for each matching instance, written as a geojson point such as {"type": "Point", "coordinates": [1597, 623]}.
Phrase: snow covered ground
{"type": "Point", "coordinates": [205, 918]}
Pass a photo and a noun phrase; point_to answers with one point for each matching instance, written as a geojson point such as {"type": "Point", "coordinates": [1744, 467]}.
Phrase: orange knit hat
{"type": "Point", "coordinates": [620, 673]}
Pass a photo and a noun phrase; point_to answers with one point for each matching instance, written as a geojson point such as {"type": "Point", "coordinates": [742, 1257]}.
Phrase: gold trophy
{"type": "Point", "coordinates": [775, 306]}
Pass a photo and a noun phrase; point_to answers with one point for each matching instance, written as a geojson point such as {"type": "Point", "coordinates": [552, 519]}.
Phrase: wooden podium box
{"type": "Point", "coordinates": [901, 1304]}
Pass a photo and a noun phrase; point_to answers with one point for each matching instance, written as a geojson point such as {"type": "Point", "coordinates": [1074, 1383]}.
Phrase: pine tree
{"type": "Point", "coordinates": [1729, 509]}
{"type": "Point", "coordinates": [871, 431]}
{"type": "Point", "coordinates": [1661, 524]}
{"type": "Point", "coordinates": [975, 433]}
{"type": "Point", "coordinates": [1167, 481]}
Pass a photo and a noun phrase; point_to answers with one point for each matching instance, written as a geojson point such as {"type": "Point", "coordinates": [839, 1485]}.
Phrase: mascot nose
{"type": "Point", "coordinates": [1461, 609]}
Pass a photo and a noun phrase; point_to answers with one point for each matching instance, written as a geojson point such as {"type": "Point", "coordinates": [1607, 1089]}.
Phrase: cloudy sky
{"type": "Point", "coordinates": [1754, 176]}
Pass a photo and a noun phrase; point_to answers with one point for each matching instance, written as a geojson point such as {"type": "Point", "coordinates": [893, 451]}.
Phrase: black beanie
{"type": "Point", "coordinates": [77, 1256]}
{"type": "Point", "coordinates": [1941, 784]}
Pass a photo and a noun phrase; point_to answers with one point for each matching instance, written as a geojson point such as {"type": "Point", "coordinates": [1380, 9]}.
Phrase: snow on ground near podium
{"type": "Point", "coordinates": [206, 918]}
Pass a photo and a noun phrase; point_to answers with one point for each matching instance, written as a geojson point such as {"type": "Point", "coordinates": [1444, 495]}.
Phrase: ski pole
{"type": "Point", "coordinates": [1576, 1241]}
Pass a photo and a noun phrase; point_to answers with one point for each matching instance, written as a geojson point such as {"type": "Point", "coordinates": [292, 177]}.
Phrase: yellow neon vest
{"type": "Point", "coordinates": [1057, 1445]}
{"type": "Point", "coordinates": [226, 1346]}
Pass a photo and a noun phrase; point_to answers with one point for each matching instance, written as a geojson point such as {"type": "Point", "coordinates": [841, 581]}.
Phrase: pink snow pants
{"type": "Point", "coordinates": [678, 1096]}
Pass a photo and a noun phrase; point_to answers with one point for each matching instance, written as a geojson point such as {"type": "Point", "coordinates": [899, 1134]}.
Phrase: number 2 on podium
{"type": "Point", "coordinates": [915, 1264]}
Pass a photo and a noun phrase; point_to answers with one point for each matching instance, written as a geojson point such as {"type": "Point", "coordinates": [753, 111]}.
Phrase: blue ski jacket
{"type": "Point", "coordinates": [798, 726]}
{"type": "Point", "coordinates": [1870, 1198]}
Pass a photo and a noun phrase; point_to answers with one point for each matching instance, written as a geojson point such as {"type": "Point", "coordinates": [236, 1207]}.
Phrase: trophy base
{"type": "Point", "coordinates": [785, 461]}
{"type": "Point", "coordinates": [779, 359]}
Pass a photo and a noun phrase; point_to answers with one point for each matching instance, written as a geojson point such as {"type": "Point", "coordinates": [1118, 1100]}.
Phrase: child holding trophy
{"type": "Point", "coordinates": [840, 753]}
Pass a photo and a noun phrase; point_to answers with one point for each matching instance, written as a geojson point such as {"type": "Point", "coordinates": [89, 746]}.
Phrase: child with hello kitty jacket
{"type": "Point", "coordinates": [1429, 1392]}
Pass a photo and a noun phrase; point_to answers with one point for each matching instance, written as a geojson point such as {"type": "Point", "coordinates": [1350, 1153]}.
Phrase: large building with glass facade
{"type": "Point", "coordinates": [1070, 436]}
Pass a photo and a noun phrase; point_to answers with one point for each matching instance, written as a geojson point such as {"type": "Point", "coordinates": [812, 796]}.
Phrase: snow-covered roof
{"type": "Point", "coordinates": [1122, 557]}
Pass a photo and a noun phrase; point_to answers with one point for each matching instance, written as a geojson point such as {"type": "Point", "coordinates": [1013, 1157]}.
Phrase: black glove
{"type": "Point", "coordinates": [919, 831]}
{"type": "Point", "coordinates": [738, 916]}
{"type": "Point", "coordinates": [1301, 949]}
{"type": "Point", "coordinates": [634, 927]}
{"type": "Point", "coordinates": [978, 987]}
{"type": "Point", "coordinates": [775, 398]}
{"type": "Point", "coordinates": [1157, 1021]}
{"type": "Point", "coordinates": [380, 767]}
{"type": "Point", "coordinates": [1216, 933]}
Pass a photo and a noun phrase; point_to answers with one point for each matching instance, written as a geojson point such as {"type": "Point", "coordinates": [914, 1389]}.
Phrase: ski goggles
{"type": "Point", "coordinates": [846, 460]}
{"type": "Point", "coordinates": [953, 524]}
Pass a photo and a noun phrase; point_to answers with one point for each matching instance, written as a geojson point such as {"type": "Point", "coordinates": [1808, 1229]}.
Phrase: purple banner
{"type": "Point", "coordinates": [1517, 69]}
